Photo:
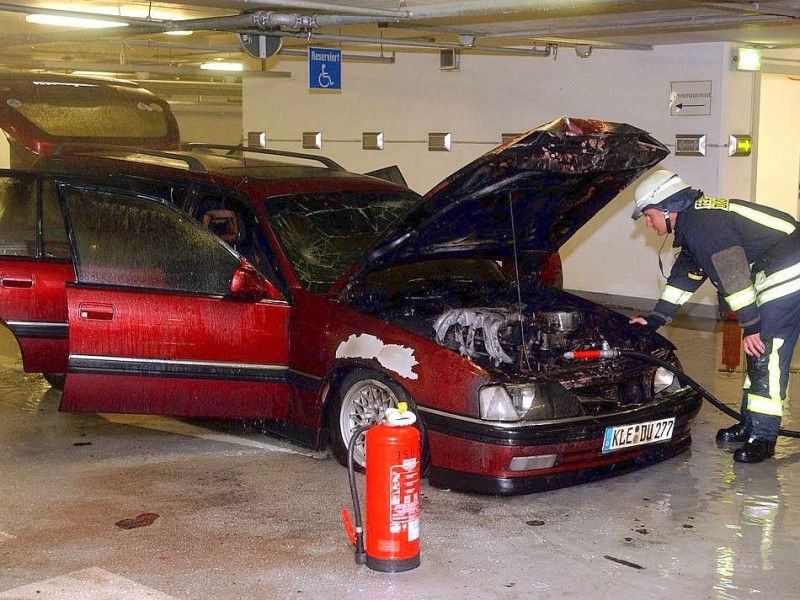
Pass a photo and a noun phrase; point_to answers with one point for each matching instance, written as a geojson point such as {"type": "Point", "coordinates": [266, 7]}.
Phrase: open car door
{"type": "Point", "coordinates": [164, 317]}
{"type": "Point", "coordinates": [35, 263]}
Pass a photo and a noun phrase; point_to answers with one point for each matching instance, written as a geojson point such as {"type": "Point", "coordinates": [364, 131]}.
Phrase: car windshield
{"type": "Point", "coordinates": [325, 233]}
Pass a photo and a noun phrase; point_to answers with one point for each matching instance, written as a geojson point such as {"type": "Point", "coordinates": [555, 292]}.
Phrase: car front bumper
{"type": "Point", "coordinates": [475, 456]}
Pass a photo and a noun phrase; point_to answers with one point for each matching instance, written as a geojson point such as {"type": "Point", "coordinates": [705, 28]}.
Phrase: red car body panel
{"type": "Point", "coordinates": [176, 354]}
{"type": "Point", "coordinates": [319, 327]}
{"type": "Point", "coordinates": [33, 305]}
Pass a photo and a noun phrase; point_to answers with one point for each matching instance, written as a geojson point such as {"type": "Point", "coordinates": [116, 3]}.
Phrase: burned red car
{"type": "Point", "coordinates": [232, 284]}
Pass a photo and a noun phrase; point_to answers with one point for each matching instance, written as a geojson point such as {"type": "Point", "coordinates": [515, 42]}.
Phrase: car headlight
{"type": "Point", "coordinates": [496, 404]}
{"type": "Point", "coordinates": [537, 401]}
{"type": "Point", "coordinates": [663, 379]}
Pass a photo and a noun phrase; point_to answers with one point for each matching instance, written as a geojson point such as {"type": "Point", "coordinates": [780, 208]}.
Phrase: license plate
{"type": "Point", "coordinates": [626, 436]}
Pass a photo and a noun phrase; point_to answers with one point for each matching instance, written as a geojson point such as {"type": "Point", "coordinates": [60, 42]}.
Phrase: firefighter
{"type": "Point", "coordinates": [751, 254]}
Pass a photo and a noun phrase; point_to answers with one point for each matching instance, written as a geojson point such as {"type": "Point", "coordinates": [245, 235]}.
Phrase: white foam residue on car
{"type": "Point", "coordinates": [399, 359]}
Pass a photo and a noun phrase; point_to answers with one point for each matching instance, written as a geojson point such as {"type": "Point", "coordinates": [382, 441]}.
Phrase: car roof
{"type": "Point", "coordinates": [227, 165]}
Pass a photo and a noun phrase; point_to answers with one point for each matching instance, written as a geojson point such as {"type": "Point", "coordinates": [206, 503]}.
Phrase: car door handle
{"type": "Point", "coordinates": [96, 312]}
{"type": "Point", "coordinates": [17, 281]}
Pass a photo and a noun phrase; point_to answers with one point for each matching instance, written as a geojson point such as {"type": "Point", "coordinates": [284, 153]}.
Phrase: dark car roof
{"type": "Point", "coordinates": [285, 173]}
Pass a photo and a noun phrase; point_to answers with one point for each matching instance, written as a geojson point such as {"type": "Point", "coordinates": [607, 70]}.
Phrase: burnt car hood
{"type": "Point", "coordinates": [533, 192]}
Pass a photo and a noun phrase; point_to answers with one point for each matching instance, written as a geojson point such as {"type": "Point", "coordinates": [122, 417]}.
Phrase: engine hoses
{"type": "Point", "coordinates": [682, 377]}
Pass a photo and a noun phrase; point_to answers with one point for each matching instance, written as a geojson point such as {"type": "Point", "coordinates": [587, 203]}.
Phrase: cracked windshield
{"type": "Point", "coordinates": [324, 234]}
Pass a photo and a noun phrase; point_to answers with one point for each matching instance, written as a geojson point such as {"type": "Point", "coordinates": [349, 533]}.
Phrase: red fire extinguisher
{"type": "Point", "coordinates": [392, 488]}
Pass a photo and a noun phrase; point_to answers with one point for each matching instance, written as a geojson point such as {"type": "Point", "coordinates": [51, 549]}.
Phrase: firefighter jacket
{"type": "Point", "coordinates": [721, 240]}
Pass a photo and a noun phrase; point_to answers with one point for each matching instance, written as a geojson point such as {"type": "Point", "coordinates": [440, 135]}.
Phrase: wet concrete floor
{"type": "Point", "coordinates": [241, 515]}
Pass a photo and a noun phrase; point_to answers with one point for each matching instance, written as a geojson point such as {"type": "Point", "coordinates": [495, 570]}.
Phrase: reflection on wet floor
{"type": "Point", "coordinates": [240, 520]}
{"type": "Point", "coordinates": [756, 505]}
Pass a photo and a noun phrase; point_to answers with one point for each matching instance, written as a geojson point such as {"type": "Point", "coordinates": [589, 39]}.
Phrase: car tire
{"type": "Point", "coordinates": [55, 380]}
{"type": "Point", "coordinates": [363, 397]}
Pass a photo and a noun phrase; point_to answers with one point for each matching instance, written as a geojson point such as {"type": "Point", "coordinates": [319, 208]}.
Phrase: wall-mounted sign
{"type": "Point", "coordinates": [324, 69]}
{"type": "Point", "coordinates": [689, 98]}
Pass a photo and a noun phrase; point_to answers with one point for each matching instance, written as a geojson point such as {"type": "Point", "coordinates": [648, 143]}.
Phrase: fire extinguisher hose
{"type": "Point", "coordinates": [360, 551]}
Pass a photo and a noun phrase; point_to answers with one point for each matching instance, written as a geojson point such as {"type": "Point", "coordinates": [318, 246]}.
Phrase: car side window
{"type": "Point", "coordinates": [20, 230]}
{"type": "Point", "coordinates": [129, 241]}
{"type": "Point", "coordinates": [228, 217]}
{"type": "Point", "coordinates": [18, 223]}
{"type": "Point", "coordinates": [55, 243]}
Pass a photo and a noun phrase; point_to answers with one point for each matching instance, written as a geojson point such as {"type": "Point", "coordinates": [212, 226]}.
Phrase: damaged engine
{"type": "Point", "coordinates": [507, 337]}
{"type": "Point", "coordinates": [469, 308]}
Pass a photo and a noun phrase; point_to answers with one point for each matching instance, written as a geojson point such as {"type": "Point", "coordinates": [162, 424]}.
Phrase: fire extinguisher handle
{"type": "Point", "coordinates": [399, 416]}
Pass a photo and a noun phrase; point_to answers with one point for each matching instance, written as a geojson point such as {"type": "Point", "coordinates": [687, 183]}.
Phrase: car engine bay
{"type": "Point", "coordinates": [525, 335]}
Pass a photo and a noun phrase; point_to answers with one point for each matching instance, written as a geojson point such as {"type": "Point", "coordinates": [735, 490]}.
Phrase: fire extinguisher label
{"type": "Point", "coordinates": [404, 495]}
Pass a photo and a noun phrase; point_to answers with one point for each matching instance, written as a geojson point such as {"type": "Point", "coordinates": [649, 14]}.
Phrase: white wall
{"type": "Point", "coordinates": [212, 124]}
{"type": "Point", "coordinates": [496, 94]}
{"type": "Point", "coordinates": [779, 160]}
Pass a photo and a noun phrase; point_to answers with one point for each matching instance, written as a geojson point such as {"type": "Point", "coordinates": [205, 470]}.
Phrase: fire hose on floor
{"type": "Point", "coordinates": [682, 377]}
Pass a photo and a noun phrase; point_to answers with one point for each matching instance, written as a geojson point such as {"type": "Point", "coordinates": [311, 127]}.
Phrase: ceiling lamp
{"type": "Point", "coordinates": [222, 66]}
{"type": "Point", "coordinates": [86, 23]}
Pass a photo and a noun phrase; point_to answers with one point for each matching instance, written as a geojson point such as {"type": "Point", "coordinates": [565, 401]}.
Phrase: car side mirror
{"type": "Point", "coordinates": [249, 284]}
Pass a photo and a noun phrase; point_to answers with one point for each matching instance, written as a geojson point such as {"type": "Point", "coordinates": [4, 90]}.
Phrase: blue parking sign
{"type": "Point", "coordinates": [324, 69]}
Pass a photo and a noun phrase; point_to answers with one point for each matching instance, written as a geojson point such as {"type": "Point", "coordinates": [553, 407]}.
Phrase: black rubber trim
{"type": "Point", "coordinates": [32, 329]}
{"type": "Point", "coordinates": [393, 566]}
{"type": "Point", "coordinates": [168, 369]}
{"type": "Point", "coordinates": [683, 405]}
{"type": "Point", "coordinates": [304, 380]}
{"type": "Point", "coordinates": [508, 486]}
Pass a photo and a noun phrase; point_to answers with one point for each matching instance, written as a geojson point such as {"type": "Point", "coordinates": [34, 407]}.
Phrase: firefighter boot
{"type": "Point", "coordinates": [755, 450]}
{"type": "Point", "coordinates": [735, 434]}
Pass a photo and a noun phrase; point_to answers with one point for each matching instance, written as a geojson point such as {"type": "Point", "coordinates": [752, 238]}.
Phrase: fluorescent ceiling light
{"type": "Point", "coordinates": [179, 32]}
{"type": "Point", "coordinates": [93, 73]}
{"type": "Point", "coordinates": [86, 23]}
{"type": "Point", "coordinates": [222, 66]}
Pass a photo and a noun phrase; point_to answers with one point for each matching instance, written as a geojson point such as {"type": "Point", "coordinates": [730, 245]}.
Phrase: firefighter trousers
{"type": "Point", "coordinates": [764, 390]}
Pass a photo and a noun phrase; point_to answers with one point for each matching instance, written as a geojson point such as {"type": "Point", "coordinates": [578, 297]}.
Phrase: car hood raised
{"type": "Point", "coordinates": [533, 192]}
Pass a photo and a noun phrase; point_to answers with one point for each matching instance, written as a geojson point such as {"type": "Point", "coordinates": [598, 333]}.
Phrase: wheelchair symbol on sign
{"type": "Point", "coordinates": [324, 79]}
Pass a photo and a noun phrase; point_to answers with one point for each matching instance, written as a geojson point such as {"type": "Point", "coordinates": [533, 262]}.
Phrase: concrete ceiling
{"type": "Point", "coordinates": [373, 27]}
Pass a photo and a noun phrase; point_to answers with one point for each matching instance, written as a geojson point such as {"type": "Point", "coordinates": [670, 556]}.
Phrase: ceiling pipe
{"type": "Point", "coordinates": [652, 24]}
{"type": "Point", "coordinates": [537, 52]}
{"type": "Point", "coordinates": [465, 8]}
{"type": "Point", "coordinates": [770, 8]}
{"type": "Point", "coordinates": [220, 49]}
{"type": "Point", "coordinates": [351, 57]}
{"type": "Point", "coordinates": [295, 5]}
{"type": "Point", "coordinates": [475, 8]}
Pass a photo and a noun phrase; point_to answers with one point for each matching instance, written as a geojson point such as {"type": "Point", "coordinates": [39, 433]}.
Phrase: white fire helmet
{"type": "Point", "coordinates": [655, 188]}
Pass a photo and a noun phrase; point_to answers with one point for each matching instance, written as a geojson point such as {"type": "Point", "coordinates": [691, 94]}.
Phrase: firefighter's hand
{"type": "Point", "coordinates": [650, 322]}
{"type": "Point", "coordinates": [753, 346]}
